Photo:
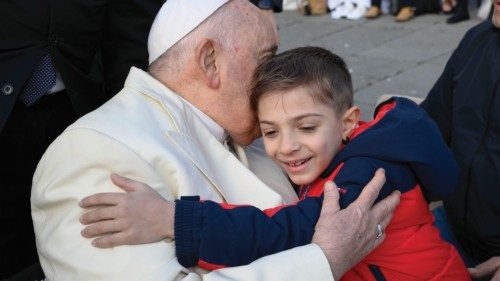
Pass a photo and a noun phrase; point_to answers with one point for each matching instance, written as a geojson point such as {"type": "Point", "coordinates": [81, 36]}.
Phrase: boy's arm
{"type": "Point", "coordinates": [344, 236]}
{"type": "Point", "coordinates": [214, 235]}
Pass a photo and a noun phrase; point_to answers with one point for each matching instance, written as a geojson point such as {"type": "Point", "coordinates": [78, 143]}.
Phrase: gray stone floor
{"type": "Point", "coordinates": [384, 57]}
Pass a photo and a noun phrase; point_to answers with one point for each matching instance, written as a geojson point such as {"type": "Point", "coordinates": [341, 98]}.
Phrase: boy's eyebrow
{"type": "Point", "coordinates": [302, 116]}
{"type": "Point", "coordinates": [296, 118]}
{"type": "Point", "coordinates": [265, 122]}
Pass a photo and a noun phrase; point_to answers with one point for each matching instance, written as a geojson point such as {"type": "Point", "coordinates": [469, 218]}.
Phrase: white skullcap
{"type": "Point", "coordinates": [175, 20]}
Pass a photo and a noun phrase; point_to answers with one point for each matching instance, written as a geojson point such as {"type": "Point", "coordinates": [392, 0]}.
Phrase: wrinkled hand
{"type": "Point", "coordinates": [139, 216]}
{"type": "Point", "coordinates": [489, 268]}
{"type": "Point", "coordinates": [347, 236]}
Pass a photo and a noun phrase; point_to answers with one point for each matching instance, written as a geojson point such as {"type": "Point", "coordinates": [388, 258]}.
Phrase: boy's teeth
{"type": "Point", "coordinates": [297, 163]}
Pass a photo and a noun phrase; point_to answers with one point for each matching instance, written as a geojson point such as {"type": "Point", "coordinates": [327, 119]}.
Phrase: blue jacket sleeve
{"type": "Point", "coordinates": [356, 172]}
{"type": "Point", "coordinates": [215, 235]}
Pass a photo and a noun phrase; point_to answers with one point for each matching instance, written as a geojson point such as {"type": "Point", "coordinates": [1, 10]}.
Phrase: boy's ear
{"type": "Point", "coordinates": [206, 58]}
{"type": "Point", "coordinates": [350, 120]}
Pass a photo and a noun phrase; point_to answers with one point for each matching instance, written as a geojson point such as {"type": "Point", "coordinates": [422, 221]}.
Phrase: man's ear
{"type": "Point", "coordinates": [350, 120]}
{"type": "Point", "coordinates": [206, 58]}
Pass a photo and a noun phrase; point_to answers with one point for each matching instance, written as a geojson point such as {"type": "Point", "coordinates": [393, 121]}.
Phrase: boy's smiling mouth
{"type": "Point", "coordinates": [297, 162]}
{"type": "Point", "coordinates": [296, 166]}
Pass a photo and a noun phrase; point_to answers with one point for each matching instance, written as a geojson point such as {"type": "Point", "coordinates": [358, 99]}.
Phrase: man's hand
{"type": "Point", "coordinates": [347, 236]}
{"type": "Point", "coordinates": [489, 268]}
{"type": "Point", "coordinates": [139, 216]}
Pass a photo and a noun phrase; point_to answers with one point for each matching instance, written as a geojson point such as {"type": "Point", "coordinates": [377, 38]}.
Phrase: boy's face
{"type": "Point", "coordinates": [301, 134]}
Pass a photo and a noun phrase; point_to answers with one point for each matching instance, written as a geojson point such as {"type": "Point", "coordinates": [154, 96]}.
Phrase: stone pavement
{"type": "Point", "coordinates": [384, 57]}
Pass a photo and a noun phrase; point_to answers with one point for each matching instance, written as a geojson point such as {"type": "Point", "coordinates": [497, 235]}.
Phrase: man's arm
{"type": "Point", "coordinates": [439, 101]}
{"type": "Point", "coordinates": [78, 164]}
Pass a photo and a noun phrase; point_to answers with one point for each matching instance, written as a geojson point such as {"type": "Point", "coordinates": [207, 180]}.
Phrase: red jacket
{"type": "Point", "coordinates": [401, 139]}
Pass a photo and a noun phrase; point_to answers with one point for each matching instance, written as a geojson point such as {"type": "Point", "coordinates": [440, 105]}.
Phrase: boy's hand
{"type": "Point", "coordinates": [121, 219]}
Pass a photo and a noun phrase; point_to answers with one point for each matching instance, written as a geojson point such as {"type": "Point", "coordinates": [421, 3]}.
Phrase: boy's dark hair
{"type": "Point", "coordinates": [322, 73]}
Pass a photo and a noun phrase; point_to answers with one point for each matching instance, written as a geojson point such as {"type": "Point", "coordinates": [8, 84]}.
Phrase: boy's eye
{"type": "Point", "coordinates": [308, 128]}
{"type": "Point", "coordinates": [269, 133]}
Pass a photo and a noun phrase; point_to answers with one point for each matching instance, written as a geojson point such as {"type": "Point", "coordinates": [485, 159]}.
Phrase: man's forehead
{"type": "Point", "coordinates": [267, 31]}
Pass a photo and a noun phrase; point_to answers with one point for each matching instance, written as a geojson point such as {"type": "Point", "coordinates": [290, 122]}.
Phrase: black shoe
{"type": "Point", "coordinates": [460, 15]}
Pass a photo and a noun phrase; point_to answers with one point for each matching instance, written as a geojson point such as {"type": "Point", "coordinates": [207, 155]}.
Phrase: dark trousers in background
{"type": "Point", "coordinates": [25, 137]}
{"type": "Point", "coordinates": [400, 3]}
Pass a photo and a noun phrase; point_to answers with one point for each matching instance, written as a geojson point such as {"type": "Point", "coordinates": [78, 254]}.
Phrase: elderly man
{"type": "Point", "coordinates": [168, 129]}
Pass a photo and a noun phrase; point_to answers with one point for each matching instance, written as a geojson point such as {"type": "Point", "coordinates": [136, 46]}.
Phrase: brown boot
{"type": "Point", "coordinates": [405, 14]}
{"type": "Point", "coordinates": [318, 7]}
{"type": "Point", "coordinates": [373, 12]}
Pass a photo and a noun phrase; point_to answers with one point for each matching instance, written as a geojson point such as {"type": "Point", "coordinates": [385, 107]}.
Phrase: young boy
{"type": "Point", "coordinates": [303, 99]}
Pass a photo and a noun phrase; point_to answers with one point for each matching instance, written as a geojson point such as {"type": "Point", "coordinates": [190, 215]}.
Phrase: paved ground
{"type": "Point", "coordinates": [384, 57]}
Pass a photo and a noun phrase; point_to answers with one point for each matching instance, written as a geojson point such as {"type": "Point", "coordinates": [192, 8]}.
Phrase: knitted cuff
{"type": "Point", "coordinates": [187, 226]}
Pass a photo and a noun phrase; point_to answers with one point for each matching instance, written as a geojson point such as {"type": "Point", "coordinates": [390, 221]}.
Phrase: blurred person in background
{"type": "Point", "coordinates": [406, 10]}
{"type": "Point", "coordinates": [58, 61]}
{"type": "Point", "coordinates": [465, 103]}
{"type": "Point", "coordinates": [460, 11]}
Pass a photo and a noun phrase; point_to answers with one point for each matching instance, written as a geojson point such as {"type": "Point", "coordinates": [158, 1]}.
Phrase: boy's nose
{"type": "Point", "coordinates": [289, 144]}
